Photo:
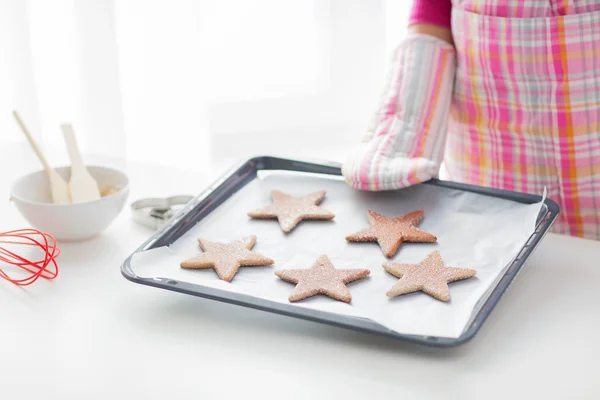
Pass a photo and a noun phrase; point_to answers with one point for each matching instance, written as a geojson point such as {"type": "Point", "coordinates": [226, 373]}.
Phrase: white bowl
{"type": "Point", "coordinates": [70, 222]}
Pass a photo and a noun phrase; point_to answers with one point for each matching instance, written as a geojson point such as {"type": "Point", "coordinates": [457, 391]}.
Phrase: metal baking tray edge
{"type": "Point", "coordinates": [237, 177]}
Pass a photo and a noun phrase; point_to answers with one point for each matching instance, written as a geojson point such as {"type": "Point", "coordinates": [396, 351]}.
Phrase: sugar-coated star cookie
{"type": "Point", "coordinates": [321, 278]}
{"type": "Point", "coordinates": [227, 258]}
{"type": "Point", "coordinates": [429, 276]}
{"type": "Point", "coordinates": [289, 210]}
{"type": "Point", "coordinates": [390, 233]}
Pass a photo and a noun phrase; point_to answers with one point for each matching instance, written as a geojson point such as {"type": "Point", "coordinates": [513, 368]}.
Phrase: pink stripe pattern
{"type": "Point", "coordinates": [405, 142]}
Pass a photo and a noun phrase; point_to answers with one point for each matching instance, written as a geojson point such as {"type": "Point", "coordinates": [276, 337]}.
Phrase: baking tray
{"type": "Point", "coordinates": [238, 177]}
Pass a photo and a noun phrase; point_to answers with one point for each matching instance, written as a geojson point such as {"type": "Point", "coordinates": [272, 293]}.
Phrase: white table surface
{"type": "Point", "coordinates": [91, 334]}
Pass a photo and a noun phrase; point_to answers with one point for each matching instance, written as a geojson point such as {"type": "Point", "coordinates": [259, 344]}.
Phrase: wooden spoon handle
{"type": "Point", "coordinates": [32, 142]}
{"type": "Point", "coordinates": [72, 149]}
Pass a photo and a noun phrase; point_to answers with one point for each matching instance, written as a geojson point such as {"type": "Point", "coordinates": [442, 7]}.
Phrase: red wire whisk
{"type": "Point", "coordinates": [12, 248]}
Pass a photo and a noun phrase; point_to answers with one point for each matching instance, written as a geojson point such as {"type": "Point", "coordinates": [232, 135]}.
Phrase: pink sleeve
{"type": "Point", "coordinates": [435, 12]}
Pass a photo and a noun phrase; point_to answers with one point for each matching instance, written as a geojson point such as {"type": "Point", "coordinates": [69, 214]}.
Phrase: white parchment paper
{"type": "Point", "coordinates": [474, 231]}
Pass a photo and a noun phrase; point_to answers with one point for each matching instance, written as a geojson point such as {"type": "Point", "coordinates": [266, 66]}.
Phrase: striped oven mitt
{"type": "Point", "coordinates": [405, 143]}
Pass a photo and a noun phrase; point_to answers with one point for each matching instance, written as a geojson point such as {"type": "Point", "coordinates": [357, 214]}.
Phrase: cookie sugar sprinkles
{"type": "Point", "coordinates": [321, 278]}
{"type": "Point", "coordinates": [390, 233]}
{"type": "Point", "coordinates": [289, 210]}
{"type": "Point", "coordinates": [429, 276]}
{"type": "Point", "coordinates": [227, 258]}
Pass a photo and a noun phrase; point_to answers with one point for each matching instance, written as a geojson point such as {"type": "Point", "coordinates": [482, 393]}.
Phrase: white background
{"type": "Point", "coordinates": [196, 84]}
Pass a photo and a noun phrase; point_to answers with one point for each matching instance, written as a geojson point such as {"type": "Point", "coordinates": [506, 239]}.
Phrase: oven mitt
{"type": "Point", "coordinates": [405, 143]}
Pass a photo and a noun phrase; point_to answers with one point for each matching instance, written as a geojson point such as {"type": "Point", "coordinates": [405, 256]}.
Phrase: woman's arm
{"type": "Point", "coordinates": [437, 31]}
{"type": "Point", "coordinates": [431, 17]}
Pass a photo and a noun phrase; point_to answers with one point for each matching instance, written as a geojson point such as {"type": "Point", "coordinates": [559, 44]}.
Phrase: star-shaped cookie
{"type": "Point", "coordinates": [429, 276]}
{"type": "Point", "coordinates": [321, 278]}
{"type": "Point", "coordinates": [289, 210]}
{"type": "Point", "coordinates": [390, 233]}
{"type": "Point", "coordinates": [227, 258]}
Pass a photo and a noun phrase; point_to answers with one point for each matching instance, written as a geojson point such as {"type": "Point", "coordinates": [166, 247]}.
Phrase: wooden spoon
{"type": "Point", "coordinates": [58, 186]}
{"type": "Point", "coordinates": [82, 186]}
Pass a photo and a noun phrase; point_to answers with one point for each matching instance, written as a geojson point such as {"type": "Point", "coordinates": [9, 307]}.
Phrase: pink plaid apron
{"type": "Point", "coordinates": [526, 105]}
